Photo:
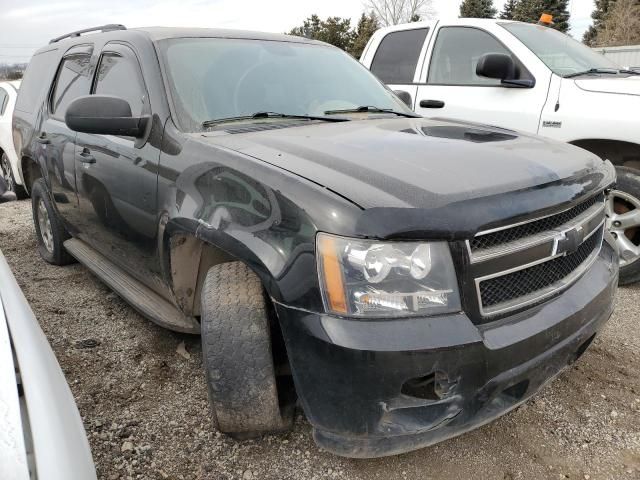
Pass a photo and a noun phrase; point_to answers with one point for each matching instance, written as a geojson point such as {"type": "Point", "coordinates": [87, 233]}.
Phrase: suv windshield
{"type": "Point", "coordinates": [561, 53]}
{"type": "Point", "coordinates": [214, 78]}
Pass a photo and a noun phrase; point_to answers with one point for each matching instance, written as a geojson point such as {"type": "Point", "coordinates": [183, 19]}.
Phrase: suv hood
{"type": "Point", "coordinates": [621, 85]}
{"type": "Point", "coordinates": [419, 163]}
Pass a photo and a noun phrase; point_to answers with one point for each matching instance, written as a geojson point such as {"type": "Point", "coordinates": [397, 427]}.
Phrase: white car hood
{"type": "Point", "coordinates": [623, 85]}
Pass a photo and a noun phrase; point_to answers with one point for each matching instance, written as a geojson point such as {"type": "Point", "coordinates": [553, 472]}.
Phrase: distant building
{"type": "Point", "coordinates": [628, 57]}
{"type": "Point", "coordinates": [12, 71]}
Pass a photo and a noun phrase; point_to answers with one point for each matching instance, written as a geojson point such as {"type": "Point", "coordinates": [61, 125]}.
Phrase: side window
{"type": "Point", "coordinates": [39, 73]}
{"type": "Point", "coordinates": [121, 76]}
{"type": "Point", "coordinates": [396, 59]}
{"type": "Point", "coordinates": [4, 99]}
{"type": "Point", "coordinates": [456, 54]}
{"type": "Point", "coordinates": [73, 81]}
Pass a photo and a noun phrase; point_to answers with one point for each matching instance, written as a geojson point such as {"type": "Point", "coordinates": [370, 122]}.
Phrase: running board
{"type": "Point", "coordinates": [142, 298]}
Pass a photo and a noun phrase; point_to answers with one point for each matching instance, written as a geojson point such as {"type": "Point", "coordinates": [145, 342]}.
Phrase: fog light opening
{"type": "Point", "coordinates": [517, 391]}
{"type": "Point", "coordinates": [434, 386]}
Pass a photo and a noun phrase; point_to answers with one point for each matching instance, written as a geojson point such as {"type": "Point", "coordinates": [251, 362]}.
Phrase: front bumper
{"type": "Point", "coordinates": [372, 388]}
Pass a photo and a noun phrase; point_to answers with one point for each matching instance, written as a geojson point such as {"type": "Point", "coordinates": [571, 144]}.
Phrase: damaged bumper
{"type": "Point", "coordinates": [383, 387]}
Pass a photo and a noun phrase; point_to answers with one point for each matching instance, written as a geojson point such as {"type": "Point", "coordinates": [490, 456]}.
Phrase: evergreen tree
{"type": "Point", "coordinates": [599, 15]}
{"type": "Point", "coordinates": [334, 30]}
{"type": "Point", "coordinates": [367, 25]}
{"type": "Point", "coordinates": [530, 11]}
{"type": "Point", "coordinates": [509, 10]}
{"type": "Point", "coordinates": [477, 9]}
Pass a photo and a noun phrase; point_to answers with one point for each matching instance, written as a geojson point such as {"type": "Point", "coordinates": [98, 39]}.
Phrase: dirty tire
{"type": "Point", "coordinates": [56, 254]}
{"type": "Point", "coordinates": [629, 182]}
{"type": "Point", "coordinates": [237, 354]}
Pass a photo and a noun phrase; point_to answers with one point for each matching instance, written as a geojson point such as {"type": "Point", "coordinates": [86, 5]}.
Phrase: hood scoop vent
{"type": "Point", "coordinates": [259, 127]}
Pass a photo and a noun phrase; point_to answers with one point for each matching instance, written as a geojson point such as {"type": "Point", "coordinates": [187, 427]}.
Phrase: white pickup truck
{"type": "Point", "coordinates": [524, 77]}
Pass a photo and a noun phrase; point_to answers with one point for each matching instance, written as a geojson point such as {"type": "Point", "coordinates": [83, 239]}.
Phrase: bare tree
{"type": "Point", "coordinates": [622, 25]}
{"type": "Point", "coordinates": [393, 12]}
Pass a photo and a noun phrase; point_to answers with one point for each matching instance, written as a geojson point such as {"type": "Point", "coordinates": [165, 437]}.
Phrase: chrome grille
{"type": "Point", "coordinates": [522, 264]}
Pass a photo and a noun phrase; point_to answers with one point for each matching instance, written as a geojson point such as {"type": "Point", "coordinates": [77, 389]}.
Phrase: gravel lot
{"type": "Point", "coordinates": [141, 392]}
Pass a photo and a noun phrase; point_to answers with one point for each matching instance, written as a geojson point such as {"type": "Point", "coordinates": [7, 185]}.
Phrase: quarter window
{"type": "Point", "coordinates": [396, 59]}
{"type": "Point", "coordinates": [456, 54]}
{"type": "Point", "coordinates": [121, 76]}
{"type": "Point", "coordinates": [73, 81]}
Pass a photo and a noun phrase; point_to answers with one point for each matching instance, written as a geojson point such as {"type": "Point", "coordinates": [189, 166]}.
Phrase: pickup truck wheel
{"type": "Point", "coordinates": [50, 234]}
{"type": "Point", "coordinates": [623, 221]}
{"type": "Point", "coordinates": [237, 354]}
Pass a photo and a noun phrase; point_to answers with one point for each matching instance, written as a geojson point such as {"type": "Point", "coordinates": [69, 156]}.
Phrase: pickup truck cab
{"type": "Point", "coordinates": [269, 193]}
{"type": "Point", "coordinates": [529, 78]}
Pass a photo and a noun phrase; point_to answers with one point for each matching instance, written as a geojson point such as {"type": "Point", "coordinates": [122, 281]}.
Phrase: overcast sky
{"type": "Point", "coordinates": [28, 24]}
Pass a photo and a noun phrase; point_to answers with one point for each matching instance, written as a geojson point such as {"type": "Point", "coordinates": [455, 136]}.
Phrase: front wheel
{"type": "Point", "coordinates": [623, 221]}
{"type": "Point", "coordinates": [247, 396]}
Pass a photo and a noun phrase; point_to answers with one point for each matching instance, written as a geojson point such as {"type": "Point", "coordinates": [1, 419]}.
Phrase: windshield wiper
{"type": "Point", "coordinates": [630, 72]}
{"type": "Point", "coordinates": [371, 109]}
{"type": "Point", "coordinates": [258, 115]}
{"type": "Point", "coordinates": [608, 71]}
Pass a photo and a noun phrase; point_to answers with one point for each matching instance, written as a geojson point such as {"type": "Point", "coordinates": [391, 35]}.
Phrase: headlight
{"type": "Point", "coordinates": [370, 278]}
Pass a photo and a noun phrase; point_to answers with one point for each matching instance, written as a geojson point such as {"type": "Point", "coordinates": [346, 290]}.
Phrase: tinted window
{"type": "Point", "coordinates": [396, 59]}
{"type": "Point", "coordinates": [73, 81]}
{"type": "Point", "coordinates": [121, 76]}
{"type": "Point", "coordinates": [4, 97]}
{"type": "Point", "coordinates": [456, 54]}
{"type": "Point", "coordinates": [36, 81]}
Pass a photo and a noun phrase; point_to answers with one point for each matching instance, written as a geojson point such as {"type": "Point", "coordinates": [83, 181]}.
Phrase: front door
{"type": "Point", "coordinates": [450, 87]}
{"type": "Point", "coordinates": [117, 176]}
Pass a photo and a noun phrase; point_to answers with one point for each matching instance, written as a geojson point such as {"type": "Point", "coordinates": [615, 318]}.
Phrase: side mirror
{"type": "Point", "coordinates": [104, 115]}
{"type": "Point", "coordinates": [502, 67]}
{"type": "Point", "coordinates": [405, 97]}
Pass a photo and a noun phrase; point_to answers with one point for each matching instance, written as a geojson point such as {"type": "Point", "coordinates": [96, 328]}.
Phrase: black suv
{"type": "Point", "coordinates": [405, 279]}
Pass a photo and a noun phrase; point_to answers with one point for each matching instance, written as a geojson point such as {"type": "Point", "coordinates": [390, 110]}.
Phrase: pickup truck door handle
{"type": "Point", "coordinates": [431, 104]}
{"type": "Point", "coordinates": [43, 139]}
{"type": "Point", "coordinates": [86, 157]}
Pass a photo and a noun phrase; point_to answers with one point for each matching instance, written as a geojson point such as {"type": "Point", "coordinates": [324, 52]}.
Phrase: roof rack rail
{"type": "Point", "coordinates": [102, 28]}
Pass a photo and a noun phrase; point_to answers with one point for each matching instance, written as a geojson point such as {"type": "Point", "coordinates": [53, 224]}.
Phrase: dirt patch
{"type": "Point", "coordinates": [144, 403]}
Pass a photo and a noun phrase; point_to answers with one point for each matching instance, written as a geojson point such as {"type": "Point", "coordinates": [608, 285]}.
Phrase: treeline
{"type": "Point", "coordinates": [615, 22]}
{"type": "Point", "coordinates": [521, 10]}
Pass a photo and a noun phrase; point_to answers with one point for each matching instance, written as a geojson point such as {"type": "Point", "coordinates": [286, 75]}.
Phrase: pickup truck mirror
{"type": "Point", "coordinates": [496, 65]}
{"type": "Point", "coordinates": [104, 115]}
{"type": "Point", "coordinates": [405, 97]}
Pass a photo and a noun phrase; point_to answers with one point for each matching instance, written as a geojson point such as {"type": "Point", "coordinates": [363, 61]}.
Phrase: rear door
{"type": "Point", "coordinates": [117, 175]}
{"type": "Point", "coordinates": [56, 140]}
{"type": "Point", "coordinates": [394, 58]}
{"type": "Point", "coordinates": [449, 86]}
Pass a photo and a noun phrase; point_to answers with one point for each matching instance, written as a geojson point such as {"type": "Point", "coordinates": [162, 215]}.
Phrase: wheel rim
{"type": "Point", "coordinates": [6, 172]}
{"type": "Point", "coordinates": [623, 221]}
{"type": "Point", "coordinates": [44, 224]}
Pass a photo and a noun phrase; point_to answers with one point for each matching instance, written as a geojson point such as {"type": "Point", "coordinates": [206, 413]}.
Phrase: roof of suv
{"type": "Point", "coordinates": [162, 33]}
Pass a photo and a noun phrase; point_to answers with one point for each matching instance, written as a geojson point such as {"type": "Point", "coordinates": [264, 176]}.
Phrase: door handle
{"type": "Point", "coordinates": [42, 138]}
{"type": "Point", "coordinates": [431, 104]}
{"type": "Point", "coordinates": [86, 157]}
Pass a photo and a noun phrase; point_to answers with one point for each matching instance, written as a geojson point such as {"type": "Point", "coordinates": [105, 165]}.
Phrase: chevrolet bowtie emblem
{"type": "Point", "coordinates": [568, 241]}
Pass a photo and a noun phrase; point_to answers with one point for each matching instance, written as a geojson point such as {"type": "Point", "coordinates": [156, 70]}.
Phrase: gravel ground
{"type": "Point", "coordinates": [141, 392]}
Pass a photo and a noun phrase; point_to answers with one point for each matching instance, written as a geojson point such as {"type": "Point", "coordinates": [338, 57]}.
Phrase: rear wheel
{"type": "Point", "coordinates": [247, 398]}
{"type": "Point", "coordinates": [7, 174]}
{"type": "Point", "coordinates": [50, 233]}
{"type": "Point", "coordinates": [623, 221]}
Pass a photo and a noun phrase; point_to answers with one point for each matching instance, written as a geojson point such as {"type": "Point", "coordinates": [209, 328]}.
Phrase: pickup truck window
{"type": "Point", "coordinates": [396, 59]}
{"type": "Point", "coordinates": [456, 54]}
{"type": "Point", "coordinates": [561, 53]}
{"type": "Point", "coordinates": [73, 81]}
{"type": "Point", "coordinates": [217, 78]}
{"type": "Point", "coordinates": [121, 76]}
